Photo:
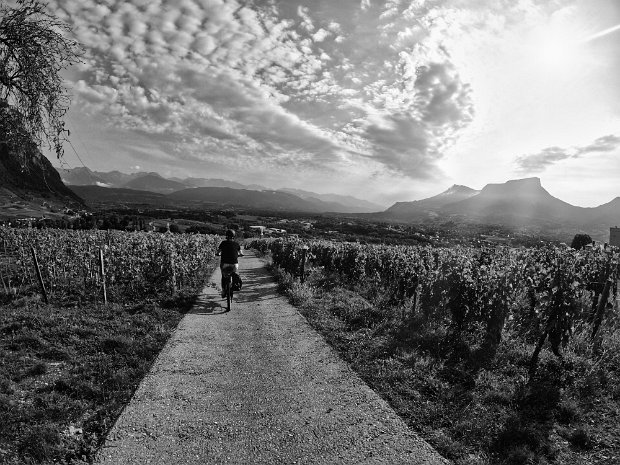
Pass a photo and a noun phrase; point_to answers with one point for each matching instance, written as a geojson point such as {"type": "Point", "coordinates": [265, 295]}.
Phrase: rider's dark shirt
{"type": "Point", "coordinates": [230, 251]}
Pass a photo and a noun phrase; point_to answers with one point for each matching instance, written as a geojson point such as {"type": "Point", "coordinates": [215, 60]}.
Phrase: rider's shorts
{"type": "Point", "coordinates": [228, 268]}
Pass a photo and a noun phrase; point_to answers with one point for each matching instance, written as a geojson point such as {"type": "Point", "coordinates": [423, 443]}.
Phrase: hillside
{"type": "Point", "coordinates": [202, 182]}
{"type": "Point", "coordinates": [81, 177]}
{"type": "Point", "coordinates": [516, 202]}
{"type": "Point", "coordinates": [116, 178]}
{"type": "Point", "coordinates": [156, 183]}
{"type": "Point", "coordinates": [429, 207]}
{"type": "Point", "coordinates": [342, 203]}
{"type": "Point", "coordinates": [244, 198]}
{"type": "Point", "coordinates": [33, 189]}
{"type": "Point", "coordinates": [519, 203]}
{"type": "Point", "coordinates": [153, 182]}
{"type": "Point", "coordinates": [96, 196]}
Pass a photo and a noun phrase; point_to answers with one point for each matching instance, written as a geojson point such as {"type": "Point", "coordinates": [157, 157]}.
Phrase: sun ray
{"type": "Point", "coordinates": [601, 33]}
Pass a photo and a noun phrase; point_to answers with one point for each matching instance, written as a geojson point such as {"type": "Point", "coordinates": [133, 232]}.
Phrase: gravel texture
{"type": "Point", "coordinates": [256, 385]}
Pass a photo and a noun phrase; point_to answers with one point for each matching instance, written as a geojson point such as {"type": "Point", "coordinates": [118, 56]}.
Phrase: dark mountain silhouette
{"type": "Point", "coordinates": [272, 200]}
{"type": "Point", "coordinates": [520, 201]}
{"type": "Point", "coordinates": [516, 203]}
{"type": "Point", "coordinates": [256, 187]}
{"type": "Point", "coordinates": [342, 203]}
{"type": "Point", "coordinates": [153, 182]}
{"type": "Point", "coordinates": [98, 196]}
{"type": "Point", "coordinates": [609, 210]}
{"type": "Point", "coordinates": [429, 207]}
{"type": "Point", "coordinates": [202, 182]}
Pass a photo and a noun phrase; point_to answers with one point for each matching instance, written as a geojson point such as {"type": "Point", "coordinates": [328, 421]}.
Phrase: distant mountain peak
{"type": "Point", "coordinates": [424, 207]}
{"type": "Point", "coordinates": [459, 189]}
{"type": "Point", "coordinates": [520, 187]}
{"type": "Point", "coordinates": [524, 182]}
{"type": "Point", "coordinates": [151, 174]}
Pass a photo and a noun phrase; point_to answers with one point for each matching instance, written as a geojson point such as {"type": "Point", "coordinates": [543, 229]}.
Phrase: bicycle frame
{"type": "Point", "coordinates": [229, 290]}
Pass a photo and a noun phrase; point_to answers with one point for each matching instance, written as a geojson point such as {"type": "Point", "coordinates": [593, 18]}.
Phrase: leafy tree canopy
{"type": "Point", "coordinates": [34, 48]}
{"type": "Point", "coordinates": [580, 241]}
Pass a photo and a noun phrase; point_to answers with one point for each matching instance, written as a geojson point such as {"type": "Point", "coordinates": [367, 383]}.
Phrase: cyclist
{"type": "Point", "coordinates": [230, 251]}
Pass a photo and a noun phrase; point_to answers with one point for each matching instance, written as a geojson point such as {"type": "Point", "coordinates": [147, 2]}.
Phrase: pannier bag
{"type": "Point", "coordinates": [236, 282]}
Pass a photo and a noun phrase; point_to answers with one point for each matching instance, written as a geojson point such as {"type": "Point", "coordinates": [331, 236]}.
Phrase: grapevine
{"type": "Point", "coordinates": [136, 263]}
{"type": "Point", "coordinates": [541, 293]}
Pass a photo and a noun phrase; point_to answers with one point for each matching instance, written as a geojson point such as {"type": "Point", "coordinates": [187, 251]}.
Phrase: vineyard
{"type": "Point", "coordinates": [542, 293]}
{"type": "Point", "coordinates": [538, 325]}
{"type": "Point", "coordinates": [83, 315]}
{"type": "Point", "coordinates": [77, 264]}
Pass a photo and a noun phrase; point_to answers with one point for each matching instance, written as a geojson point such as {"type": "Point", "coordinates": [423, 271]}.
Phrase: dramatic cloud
{"type": "Point", "coordinates": [353, 88]}
{"type": "Point", "coordinates": [538, 162]}
{"type": "Point", "coordinates": [307, 88]}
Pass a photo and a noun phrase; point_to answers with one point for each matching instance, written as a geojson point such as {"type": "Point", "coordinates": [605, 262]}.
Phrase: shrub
{"type": "Point", "coordinates": [581, 439]}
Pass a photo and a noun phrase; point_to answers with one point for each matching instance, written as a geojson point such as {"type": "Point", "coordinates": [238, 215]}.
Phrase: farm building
{"type": "Point", "coordinates": [614, 236]}
{"type": "Point", "coordinates": [260, 230]}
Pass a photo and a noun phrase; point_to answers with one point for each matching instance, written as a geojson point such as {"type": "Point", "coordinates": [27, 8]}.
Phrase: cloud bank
{"type": "Point", "coordinates": [251, 79]}
{"type": "Point", "coordinates": [349, 87]}
{"type": "Point", "coordinates": [537, 162]}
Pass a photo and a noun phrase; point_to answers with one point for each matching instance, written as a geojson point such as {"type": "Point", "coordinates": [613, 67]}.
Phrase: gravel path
{"type": "Point", "coordinates": [256, 385]}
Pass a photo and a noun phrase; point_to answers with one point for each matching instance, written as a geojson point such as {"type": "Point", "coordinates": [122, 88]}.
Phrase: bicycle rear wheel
{"type": "Point", "coordinates": [228, 294]}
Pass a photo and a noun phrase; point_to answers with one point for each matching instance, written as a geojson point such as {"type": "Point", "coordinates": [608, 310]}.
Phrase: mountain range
{"type": "Point", "coordinates": [280, 199]}
{"type": "Point", "coordinates": [520, 203]}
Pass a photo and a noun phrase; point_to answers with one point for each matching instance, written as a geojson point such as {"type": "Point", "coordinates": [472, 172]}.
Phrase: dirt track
{"type": "Point", "coordinates": [256, 385]}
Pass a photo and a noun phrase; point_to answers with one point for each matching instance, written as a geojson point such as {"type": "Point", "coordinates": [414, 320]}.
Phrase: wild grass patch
{"type": "Point", "coordinates": [67, 372]}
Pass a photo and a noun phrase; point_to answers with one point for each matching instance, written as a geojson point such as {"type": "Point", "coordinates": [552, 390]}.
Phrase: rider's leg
{"type": "Point", "coordinates": [226, 270]}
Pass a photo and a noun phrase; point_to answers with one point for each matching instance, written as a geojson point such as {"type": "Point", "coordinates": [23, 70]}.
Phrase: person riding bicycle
{"type": "Point", "coordinates": [230, 250]}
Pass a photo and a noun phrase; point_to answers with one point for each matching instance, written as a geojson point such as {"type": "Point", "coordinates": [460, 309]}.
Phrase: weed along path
{"type": "Point", "coordinates": [256, 385]}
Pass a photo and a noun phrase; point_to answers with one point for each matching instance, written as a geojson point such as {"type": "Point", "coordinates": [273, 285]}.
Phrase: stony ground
{"type": "Point", "coordinates": [256, 385]}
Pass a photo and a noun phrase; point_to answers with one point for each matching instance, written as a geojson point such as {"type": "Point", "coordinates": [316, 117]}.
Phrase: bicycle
{"type": "Point", "coordinates": [230, 251]}
{"type": "Point", "coordinates": [228, 289]}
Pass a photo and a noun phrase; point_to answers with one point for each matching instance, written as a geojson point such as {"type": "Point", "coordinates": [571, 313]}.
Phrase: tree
{"type": "Point", "coordinates": [34, 48]}
{"type": "Point", "coordinates": [580, 241]}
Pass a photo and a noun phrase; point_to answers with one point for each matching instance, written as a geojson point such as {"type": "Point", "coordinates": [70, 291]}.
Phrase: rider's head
{"type": "Point", "coordinates": [230, 234]}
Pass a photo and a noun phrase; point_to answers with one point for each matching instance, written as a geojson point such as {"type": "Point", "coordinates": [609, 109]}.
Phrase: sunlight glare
{"type": "Point", "coordinates": [557, 50]}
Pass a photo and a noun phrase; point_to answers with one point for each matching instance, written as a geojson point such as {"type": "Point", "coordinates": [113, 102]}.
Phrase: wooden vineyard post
{"type": "Point", "coordinates": [304, 251]}
{"type": "Point", "coordinates": [4, 286]}
{"type": "Point", "coordinates": [174, 274]}
{"type": "Point", "coordinates": [102, 271]}
{"type": "Point", "coordinates": [38, 270]}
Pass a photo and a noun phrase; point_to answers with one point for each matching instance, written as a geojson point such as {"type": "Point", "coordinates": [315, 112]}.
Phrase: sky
{"type": "Point", "coordinates": [385, 100]}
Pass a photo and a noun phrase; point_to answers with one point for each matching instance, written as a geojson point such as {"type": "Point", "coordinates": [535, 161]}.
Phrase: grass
{"type": "Point", "coordinates": [491, 414]}
{"type": "Point", "coordinates": [67, 372]}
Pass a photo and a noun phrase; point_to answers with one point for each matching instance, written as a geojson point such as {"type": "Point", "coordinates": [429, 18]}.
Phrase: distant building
{"type": "Point", "coordinates": [614, 236]}
{"type": "Point", "coordinates": [494, 239]}
{"type": "Point", "coordinates": [260, 230]}
{"type": "Point", "coordinates": [275, 232]}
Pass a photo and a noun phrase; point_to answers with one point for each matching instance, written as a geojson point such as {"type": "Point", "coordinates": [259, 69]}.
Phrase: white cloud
{"type": "Point", "coordinates": [221, 76]}
{"type": "Point", "coordinates": [320, 35]}
{"type": "Point", "coordinates": [537, 162]}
